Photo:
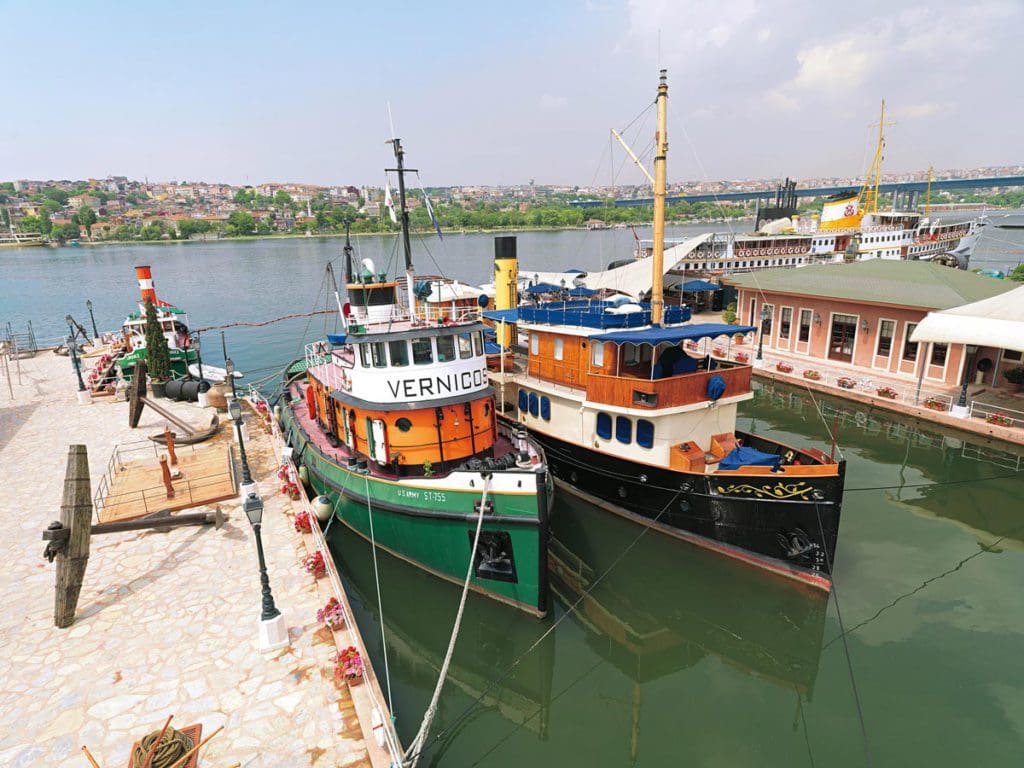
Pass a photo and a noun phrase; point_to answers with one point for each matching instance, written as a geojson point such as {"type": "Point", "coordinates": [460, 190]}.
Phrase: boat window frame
{"type": "Point", "coordinates": [464, 337]}
{"type": "Point", "coordinates": [397, 362]}
{"type": "Point", "coordinates": [478, 343]}
{"type": "Point", "coordinates": [430, 346]}
{"type": "Point", "coordinates": [448, 339]}
{"type": "Point", "coordinates": [378, 354]}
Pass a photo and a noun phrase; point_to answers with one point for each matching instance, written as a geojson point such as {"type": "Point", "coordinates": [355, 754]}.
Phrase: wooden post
{"type": "Point", "coordinates": [76, 516]}
{"type": "Point", "coordinates": [166, 472]}
{"type": "Point", "coordinates": [169, 439]}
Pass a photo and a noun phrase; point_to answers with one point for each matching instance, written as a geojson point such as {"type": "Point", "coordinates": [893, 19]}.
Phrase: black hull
{"type": "Point", "coordinates": [784, 524]}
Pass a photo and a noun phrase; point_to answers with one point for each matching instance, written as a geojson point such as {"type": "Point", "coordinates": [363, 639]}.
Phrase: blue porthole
{"type": "Point", "coordinates": [522, 399]}
{"type": "Point", "coordinates": [644, 433]}
{"type": "Point", "coordinates": [545, 408]}
{"type": "Point", "coordinates": [623, 430]}
{"type": "Point", "coordinates": [533, 404]}
{"type": "Point", "coordinates": [604, 426]}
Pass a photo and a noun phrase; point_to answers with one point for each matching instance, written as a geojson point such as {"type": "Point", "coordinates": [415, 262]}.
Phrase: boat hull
{"type": "Point", "coordinates": [787, 525]}
{"type": "Point", "coordinates": [431, 523]}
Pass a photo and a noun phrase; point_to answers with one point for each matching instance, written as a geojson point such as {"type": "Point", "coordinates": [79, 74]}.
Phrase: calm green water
{"type": "Point", "coordinates": [656, 653]}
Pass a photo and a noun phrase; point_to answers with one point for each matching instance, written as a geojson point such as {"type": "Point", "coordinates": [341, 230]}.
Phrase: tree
{"type": "Point", "coordinates": [282, 198]}
{"type": "Point", "coordinates": [64, 232]}
{"type": "Point", "coordinates": [158, 356]}
{"type": "Point", "coordinates": [1017, 273]}
{"type": "Point", "coordinates": [87, 217]}
{"type": "Point", "coordinates": [240, 223]}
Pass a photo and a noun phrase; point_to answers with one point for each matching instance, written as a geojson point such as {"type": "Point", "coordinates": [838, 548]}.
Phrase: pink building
{"type": "Point", "coordinates": [861, 315]}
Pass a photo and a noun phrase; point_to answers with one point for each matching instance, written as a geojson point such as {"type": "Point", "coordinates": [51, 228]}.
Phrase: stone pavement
{"type": "Point", "coordinates": [166, 622]}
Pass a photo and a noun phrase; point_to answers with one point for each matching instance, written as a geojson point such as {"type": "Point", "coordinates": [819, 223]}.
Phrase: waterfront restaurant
{"type": "Point", "coordinates": [861, 316]}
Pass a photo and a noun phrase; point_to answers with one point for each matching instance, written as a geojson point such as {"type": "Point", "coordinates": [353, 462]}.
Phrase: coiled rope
{"type": "Point", "coordinates": [172, 747]}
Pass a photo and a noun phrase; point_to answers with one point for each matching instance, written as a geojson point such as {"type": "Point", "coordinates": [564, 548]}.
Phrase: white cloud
{"type": "Point", "coordinates": [922, 110]}
{"type": "Point", "coordinates": [551, 102]}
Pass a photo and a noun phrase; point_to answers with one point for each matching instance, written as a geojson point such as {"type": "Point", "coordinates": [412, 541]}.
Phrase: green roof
{"type": "Point", "coordinates": [880, 281]}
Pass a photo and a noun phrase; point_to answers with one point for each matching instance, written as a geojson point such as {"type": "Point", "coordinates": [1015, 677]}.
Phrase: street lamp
{"type": "Point", "coordinates": [95, 333]}
{"type": "Point", "coordinates": [235, 410]}
{"type": "Point", "coordinates": [765, 314]}
{"type": "Point", "coordinates": [229, 368]}
{"type": "Point", "coordinates": [961, 405]}
{"type": "Point", "coordinates": [73, 349]}
{"type": "Point", "coordinates": [273, 632]}
{"type": "Point", "coordinates": [204, 385]}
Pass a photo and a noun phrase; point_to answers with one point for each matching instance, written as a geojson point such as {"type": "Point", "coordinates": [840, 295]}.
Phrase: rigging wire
{"type": "Point", "coordinates": [473, 705]}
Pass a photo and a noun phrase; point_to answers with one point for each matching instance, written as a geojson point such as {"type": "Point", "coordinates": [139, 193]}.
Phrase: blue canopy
{"type": "Point", "coordinates": [582, 291]}
{"type": "Point", "coordinates": [499, 315]}
{"type": "Point", "coordinates": [744, 456]}
{"type": "Point", "coordinates": [673, 334]}
{"type": "Point", "coordinates": [544, 288]}
{"type": "Point", "coordinates": [337, 339]}
{"type": "Point", "coordinates": [694, 286]}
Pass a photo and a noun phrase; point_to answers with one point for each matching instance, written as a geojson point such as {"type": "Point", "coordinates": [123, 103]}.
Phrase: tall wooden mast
{"type": "Point", "coordinates": [404, 219]}
{"type": "Point", "coordinates": [658, 257]}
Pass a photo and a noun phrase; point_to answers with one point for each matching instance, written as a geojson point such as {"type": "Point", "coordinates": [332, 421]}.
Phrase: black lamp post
{"type": "Point", "coordinates": [971, 349]}
{"type": "Point", "coordinates": [95, 333]}
{"type": "Point", "coordinates": [229, 368]}
{"type": "Point", "coordinates": [204, 385]}
{"type": "Point", "coordinates": [765, 314]}
{"type": "Point", "coordinates": [236, 414]}
{"type": "Point", "coordinates": [73, 349]}
{"type": "Point", "coordinates": [253, 507]}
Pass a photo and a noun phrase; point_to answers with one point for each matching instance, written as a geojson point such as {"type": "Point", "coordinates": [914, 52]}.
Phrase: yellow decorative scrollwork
{"type": "Point", "coordinates": [780, 490]}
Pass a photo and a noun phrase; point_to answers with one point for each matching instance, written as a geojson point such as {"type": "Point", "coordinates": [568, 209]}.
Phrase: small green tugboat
{"type": "Point", "coordinates": [395, 423]}
{"type": "Point", "coordinates": [173, 322]}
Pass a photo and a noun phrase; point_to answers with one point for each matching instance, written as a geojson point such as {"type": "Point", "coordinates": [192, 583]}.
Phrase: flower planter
{"type": "Point", "coordinates": [844, 382]}
{"type": "Point", "coordinates": [812, 375]}
{"type": "Point", "coordinates": [783, 367]}
{"type": "Point", "coordinates": [934, 405]}
{"type": "Point", "coordinates": [999, 419]}
{"type": "Point", "coordinates": [302, 522]}
{"type": "Point", "coordinates": [887, 392]}
{"type": "Point", "coordinates": [331, 615]}
{"type": "Point", "coordinates": [159, 388]}
{"type": "Point", "coordinates": [314, 564]}
{"type": "Point", "coordinates": [349, 666]}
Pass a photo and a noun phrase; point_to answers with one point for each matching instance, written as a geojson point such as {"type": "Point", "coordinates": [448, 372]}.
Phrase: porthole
{"type": "Point", "coordinates": [623, 492]}
{"type": "Point", "coordinates": [573, 478]}
{"type": "Point", "coordinates": [403, 424]}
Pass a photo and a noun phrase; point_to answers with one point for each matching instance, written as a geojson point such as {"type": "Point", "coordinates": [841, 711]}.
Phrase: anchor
{"type": "Point", "coordinates": [137, 401]}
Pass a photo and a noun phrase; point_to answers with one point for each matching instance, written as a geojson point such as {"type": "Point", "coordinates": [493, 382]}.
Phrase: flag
{"type": "Point", "coordinates": [388, 202]}
{"type": "Point", "coordinates": [433, 219]}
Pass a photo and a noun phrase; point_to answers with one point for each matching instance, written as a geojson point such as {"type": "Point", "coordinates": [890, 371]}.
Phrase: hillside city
{"type": "Point", "coordinates": [117, 208]}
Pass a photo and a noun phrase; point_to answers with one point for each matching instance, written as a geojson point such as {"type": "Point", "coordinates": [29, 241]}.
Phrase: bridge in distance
{"type": "Point", "coordinates": [898, 186]}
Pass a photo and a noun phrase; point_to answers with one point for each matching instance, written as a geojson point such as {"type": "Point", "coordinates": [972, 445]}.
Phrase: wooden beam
{"type": "Point", "coordinates": [76, 516]}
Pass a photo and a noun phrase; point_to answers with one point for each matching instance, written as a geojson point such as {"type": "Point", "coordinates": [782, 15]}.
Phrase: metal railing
{"type": "Point", "coordinates": [136, 450]}
{"type": "Point", "coordinates": [996, 414]}
{"type": "Point", "coordinates": [183, 487]}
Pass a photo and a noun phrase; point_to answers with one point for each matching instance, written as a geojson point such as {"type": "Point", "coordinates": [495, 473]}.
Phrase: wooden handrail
{"type": "Point", "coordinates": [687, 389]}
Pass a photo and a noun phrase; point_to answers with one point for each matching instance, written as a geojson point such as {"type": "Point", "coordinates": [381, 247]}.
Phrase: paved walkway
{"type": "Point", "coordinates": [166, 623]}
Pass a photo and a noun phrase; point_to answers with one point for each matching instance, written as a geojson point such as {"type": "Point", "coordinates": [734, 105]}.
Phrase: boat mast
{"type": "Point", "coordinates": [869, 192]}
{"type": "Point", "coordinates": [928, 195]}
{"type": "Point", "coordinates": [410, 288]}
{"type": "Point", "coordinates": [658, 257]}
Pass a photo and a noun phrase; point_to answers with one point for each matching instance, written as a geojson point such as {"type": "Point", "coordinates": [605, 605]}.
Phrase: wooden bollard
{"type": "Point", "coordinates": [76, 516]}
{"type": "Point", "coordinates": [166, 472]}
{"type": "Point", "coordinates": [169, 439]}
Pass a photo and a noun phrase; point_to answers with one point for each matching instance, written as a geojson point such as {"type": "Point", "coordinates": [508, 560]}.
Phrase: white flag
{"type": "Point", "coordinates": [389, 203]}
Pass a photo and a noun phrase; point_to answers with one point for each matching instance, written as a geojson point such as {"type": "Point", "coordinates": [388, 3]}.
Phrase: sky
{"type": "Point", "coordinates": [501, 93]}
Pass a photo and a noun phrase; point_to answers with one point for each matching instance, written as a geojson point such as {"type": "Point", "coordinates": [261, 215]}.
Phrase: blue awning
{"type": "Point", "coordinates": [337, 339]}
{"type": "Point", "coordinates": [582, 291]}
{"type": "Point", "coordinates": [491, 348]}
{"type": "Point", "coordinates": [673, 334]}
{"type": "Point", "coordinates": [694, 286]}
{"type": "Point", "coordinates": [544, 288]}
{"type": "Point", "coordinates": [502, 315]}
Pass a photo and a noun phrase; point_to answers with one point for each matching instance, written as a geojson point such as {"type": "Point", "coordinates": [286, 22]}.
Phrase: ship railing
{"type": "Point", "coordinates": [373, 693]}
{"type": "Point", "coordinates": [997, 414]}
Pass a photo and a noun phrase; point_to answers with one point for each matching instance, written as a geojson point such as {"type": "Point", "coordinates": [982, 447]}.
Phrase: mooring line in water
{"type": "Point", "coordinates": [803, 719]}
{"type": "Point", "coordinates": [376, 579]}
{"type": "Point", "coordinates": [241, 324]}
{"type": "Point", "coordinates": [413, 753]}
{"type": "Point", "coordinates": [846, 647]}
{"type": "Point", "coordinates": [936, 483]}
{"type": "Point", "coordinates": [511, 668]}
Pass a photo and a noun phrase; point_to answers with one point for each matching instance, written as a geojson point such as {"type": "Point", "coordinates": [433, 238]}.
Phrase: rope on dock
{"type": "Point", "coordinates": [415, 749]}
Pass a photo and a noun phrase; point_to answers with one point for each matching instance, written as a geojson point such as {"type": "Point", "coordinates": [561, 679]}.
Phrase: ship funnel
{"type": "Point", "coordinates": [145, 278]}
{"type": "Point", "coordinates": [506, 279]}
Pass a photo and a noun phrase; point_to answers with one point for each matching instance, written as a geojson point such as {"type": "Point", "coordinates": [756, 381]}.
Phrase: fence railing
{"type": "Point", "coordinates": [122, 453]}
{"type": "Point", "coordinates": [997, 414]}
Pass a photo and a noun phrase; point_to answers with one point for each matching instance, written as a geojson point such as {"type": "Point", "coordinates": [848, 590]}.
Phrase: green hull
{"type": "Point", "coordinates": [180, 361]}
{"type": "Point", "coordinates": [431, 522]}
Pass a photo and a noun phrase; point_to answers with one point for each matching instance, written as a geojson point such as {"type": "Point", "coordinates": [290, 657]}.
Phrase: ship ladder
{"type": "Point", "coordinates": [415, 750]}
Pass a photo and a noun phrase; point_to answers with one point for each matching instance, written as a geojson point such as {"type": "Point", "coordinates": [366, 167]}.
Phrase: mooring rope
{"type": "Point", "coordinates": [172, 747]}
{"type": "Point", "coordinates": [376, 579]}
{"type": "Point", "coordinates": [416, 747]}
{"type": "Point", "coordinates": [265, 322]}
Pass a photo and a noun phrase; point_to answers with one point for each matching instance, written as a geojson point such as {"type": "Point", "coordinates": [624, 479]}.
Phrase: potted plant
{"type": "Point", "coordinates": [302, 522]}
{"type": "Point", "coordinates": [315, 565]}
{"type": "Point", "coordinates": [739, 338]}
{"type": "Point", "coordinates": [158, 356]}
{"type": "Point", "coordinates": [935, 404]}
{"type": "Point", "coordinates": [812, 375]}
{"type": "Point", "coordinates": [783, 367]}
{"type": "Point", "coordinates": [349, 665]}
{"type": "Point", "coordinates": [332, 615]}
{"type": "Point", "coordinates": [845, 382]}
{"type": "Point", "coordinates": [1015, 376]}
{"type": "Point", "coordinates": [999, 418]}
{"type": "Point", "coordinates": [742, 357]}
{"type": "Point", "coordinates": [888, 393]}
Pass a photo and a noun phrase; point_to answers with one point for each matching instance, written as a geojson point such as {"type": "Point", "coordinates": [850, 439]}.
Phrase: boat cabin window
{"type": "Point", "coordinates": [644, 433]}
{"type": "Point", "coordinates": [445, 349]}
{"type": "Point", "coordinates": [604, 426]}
{"type": "Point", "coordinates": [545, 408]}
{"type": "Point", "coordinates": [523, 400]}
{"type": "Point", "coordinates": [478, 343]}
{"type": "Point", "coordinates": [559, 348]}
{"type": "Point", "coordinates": [623, 430]}
{"type": "Point", "coordinates": [630, 354]}
{"type": "Point", "coordinates": [597, 354]}
{"type": "Point", "coordinates": [364, 355]}
{"type": "Point", "coordinates": [399, 353]}
{"type": "Point", "coordinates": [422, 351]}
{"type": "Point", "coordinates": [378, 353]}
{"type": "Point", "coordinates": [465, 346]}
{"type": "Point", "coordinates": [534, 344]}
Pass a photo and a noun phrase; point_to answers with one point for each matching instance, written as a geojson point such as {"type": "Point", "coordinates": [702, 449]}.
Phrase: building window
{"type": "Point", "coordinates": [842, 338]}
{"type": "Point", "coordinates": [644, 433]}
{"type": "Point", "coordinates": [422, 352]}
{"type": "Point", "coordinates": [604, 426]}
{"type": "Point", "coordinates": [909, 347]}
{"type": "Point", "coordinates": [623, 429]}
{"type": "Point", "coordinates": [939, 354]}
{"type": "Point", "coordinates": [805, 325]}
{"type": "Point", "coordinates": [534, 344]}
{"type": "Point", "coordinates": [445, 349]}
{"type": "Point", "coordinates": [785, 321]}
{"type": "Point", "coordinates": [559, 348]}
{"type": "Point", "coordinates": [597, 354]}
{"type": "Point", "coordinates": [399, 353]}
{"type": "Point", "coordinates": [1013, 355]}
{"type": "Point", "coordinates": [545, 408]}
{"type": "Point", "coordinates": [886, 331]}
{"type": "Point", "coordinates": [465, 345]}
